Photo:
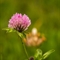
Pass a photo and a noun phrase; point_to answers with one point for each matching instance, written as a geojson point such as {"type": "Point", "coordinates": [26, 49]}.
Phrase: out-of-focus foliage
{"type": "Point", "coordinates": [39, 56]}
{"type": "Point", "coordinates": [44, 15]}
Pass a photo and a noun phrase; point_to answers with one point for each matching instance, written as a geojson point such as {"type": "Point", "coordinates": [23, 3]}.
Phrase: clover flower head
{"type": "Point", "coordinates": [19, 22]}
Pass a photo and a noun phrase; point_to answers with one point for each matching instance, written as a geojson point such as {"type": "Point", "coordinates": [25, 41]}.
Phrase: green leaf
{"type": "Point", "coordinates": [38, 54]}
{"type": "Point", "coordinates": [45, 55]}
{"type": "Point", "coordinates": [9, 30]}
{"type": "Point", "coordinates": [21, 34]}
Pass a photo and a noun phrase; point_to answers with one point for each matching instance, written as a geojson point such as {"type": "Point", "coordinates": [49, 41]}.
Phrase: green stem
{"type": "Point", "coordinates": [25, 49]}
{"type": "Point", "coordinates": [22, 36]}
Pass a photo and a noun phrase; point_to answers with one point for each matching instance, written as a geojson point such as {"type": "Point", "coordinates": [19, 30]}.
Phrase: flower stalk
{"type": "Point", "coordinates": [21, 35]}
{"type": "Point", "coordinates": [25, 49]}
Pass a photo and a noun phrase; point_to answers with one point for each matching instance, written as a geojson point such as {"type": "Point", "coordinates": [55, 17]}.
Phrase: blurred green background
{"type": "Point", "coordinates": [44, 15]}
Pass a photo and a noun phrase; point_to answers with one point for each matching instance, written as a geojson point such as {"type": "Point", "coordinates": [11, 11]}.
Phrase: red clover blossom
{"type": "Point", "coordinates": [19, 22]}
